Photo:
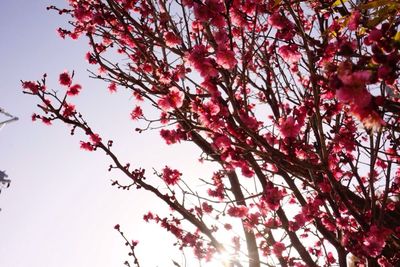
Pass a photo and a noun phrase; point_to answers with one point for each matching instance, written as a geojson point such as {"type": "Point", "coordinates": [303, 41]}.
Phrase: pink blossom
{"type": "Point", "coordinates": [354, 20]}
{"type": "Point", "coordinates": [246, 171]}
{"type": "Point", "coordinates": [228, 226]}
{"type": "Point", "coordinates": [165, 78]}
{"type": "Point", "coordinates": [329, 225]}
{"type": "Point", "coordinates": [278, 248]}
{"type": "Point", "coordinates": [62, 33]}
{"type": "Point", "coordinates": [31, 86]}
{"type": "Point", "coordinates": [171, 136]}
{"type": "Point", "coordinates": [136, 113]}
{"type": "Point", "coordinates": [289, 127]}
{"type": "Point", "coordinates": [383, 262]}
{"type": "Point", "coordinates": [210, 10]}
{"type": "Point", "coordinates": [290, 53]}
{"type": "Point", "coordinates": [237, 17]}
{"type": "Point", "coordinates": [272, 197]}
{"type": "Point", "coordinates": [69, 110]}
{"type": "Point", "coordinates": [82, 14]}
{"type": "Point", "coordinates": [149, 216]}
{"type": "Point", "coordinates": [361, 76]}
{"type": "Point", "coordinates": [221, 37]}
{"type": "Point", "coordinates": [222, 142]}
{"type": "Point", "coordinates": [171, 101]}
{"type": "Point", "coordinates": [146, 67]}
{"type": "Point", "coordinates": [188, 3]}
{"type": "Point", "coordinates": [375, 241]}
{"type": "Point", "coordinates": [212, 108]}
{"type": "Point", "coordinates": [198, 59]}
{"type": "Point", "coordinates": [112, 87]}
{"type": "Point", "coordinates": [300, 219]}
{"type": "Point", "coordinates": [253, 219]}
{"type": "Point", "coordinates": [239, 211]}
{"type": "Point", "coordinates": [226, 59]}
{"type": "Point", "coordinates": [359, 97]}
{"type": "Point", "coordinates": [207, 208]}
{"type": "Point", "coordinates": [272, 223]}
{"type": "Point", "coordinates": [367, 115]}
{"type": "Point", "coordinates": [171, 39]}
{"type": "Point", "coordinates": [384, 72]}
{"type": "Point", "coordinates": [201, 12]}
{"type": "Point", "coordinates": [98, 19]}
{"type": "Point", "coordinates": [218, 21]}
{"type": "Point", "coordinates": [375, 35]}
{"type": "Point", "coordinates": [95, 138]}
{"type": "Point", "coordinates": [74, 90]}
{"type": "Point", "coordinates": [210, 86]}
{"type": "Point", "coordinates": [47, 102]}
{"type": "Point", "coordinates": [207, 68]}
{"type": "Point", "coordinates": [278, 21]}
{"type": "Point", "coordinates": [171, 176]}
{"type": "Point", "coordinates": [75, 35]}
{"type": "Point", "coordinates": [90, 58]}
{"type": "Point", "coordinates": [46, 121]}
{"type": "Point", "coordinates": [353, 89]}
{"type": "Point", "coordinates": [331, 259]}
{"type": "Point", "coordinates": [65, 79]}
{"type": "Point", "coordinates": [250, 121]}
{"type": "Point", "coordinates": [325, 187]}
{"type": "Point", "coordinates": [197, 26]}
{"type": "Point", "coordinates": [138, 96]}
{"type": "Point", "coordinates": [86, 146]}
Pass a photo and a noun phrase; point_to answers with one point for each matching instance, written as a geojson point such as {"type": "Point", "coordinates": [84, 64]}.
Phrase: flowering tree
{"type": "Point", "coordinates": [297, 101]}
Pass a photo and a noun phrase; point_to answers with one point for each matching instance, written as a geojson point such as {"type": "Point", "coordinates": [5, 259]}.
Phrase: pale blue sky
{"type": "Point", "coordinates": [60, 209]}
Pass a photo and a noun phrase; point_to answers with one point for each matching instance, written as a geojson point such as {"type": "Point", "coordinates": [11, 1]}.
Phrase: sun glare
{"type": "Point", "coordinates": [223, 259]}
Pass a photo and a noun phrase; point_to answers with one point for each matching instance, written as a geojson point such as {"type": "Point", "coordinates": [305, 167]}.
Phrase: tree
{"type": "Point", "coordinates": [297, 101]}
{"type": "Point", "coordinates": [4, 182]}
{"type": "Point", "coordinates": [10, 118]}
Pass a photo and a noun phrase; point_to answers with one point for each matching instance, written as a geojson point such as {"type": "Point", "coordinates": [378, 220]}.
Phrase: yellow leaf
{"type": "Point", "coordinates": [277, 3]}
{"type": "Point", "coordinates": [384, 13]}
{"type": "Point", "coordinates": [362, 31]}
{"type": "Point", "coordinates": [377, 3]}
{"type": "Point", "coordinates": [338, 2]}
{"type": "Point", "coordinates": [396, 38]}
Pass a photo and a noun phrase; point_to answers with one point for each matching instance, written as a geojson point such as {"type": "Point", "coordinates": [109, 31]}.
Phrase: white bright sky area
{"type": "Point", "coordinates": [60, 209]}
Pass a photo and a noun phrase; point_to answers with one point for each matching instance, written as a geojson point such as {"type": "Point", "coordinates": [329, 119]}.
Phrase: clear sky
{"type": "Point", "coordinates": [61, 209]}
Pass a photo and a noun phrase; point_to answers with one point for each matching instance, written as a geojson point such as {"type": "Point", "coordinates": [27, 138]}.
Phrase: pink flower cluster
{"type": "Point", "coordinates": [238, 211]}
{"type": "Point", "coordinates": [65, 79]}
{"type": "Point", "coordinates": [171, 176]}
{"type": "Point", "coordinates": [203, 64]}
{"type": "Point", "coordinates": [353, 91]}
{"type": "Point", "coordinates": [289, 127]}
{"type": "Point", "coordinates": [172, 100]}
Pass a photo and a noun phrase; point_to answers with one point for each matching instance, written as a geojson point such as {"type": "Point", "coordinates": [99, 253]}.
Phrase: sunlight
{"type": "Point", "coordinates": [224, 259]}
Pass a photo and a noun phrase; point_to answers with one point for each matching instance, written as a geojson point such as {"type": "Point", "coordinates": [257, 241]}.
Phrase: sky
{"type": "Point", "coordinates": [60, 209]}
